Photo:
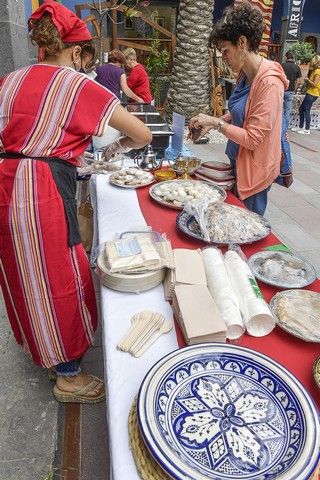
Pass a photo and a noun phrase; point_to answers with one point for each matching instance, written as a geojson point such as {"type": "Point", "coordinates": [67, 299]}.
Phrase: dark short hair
{"type": "Point", "coordinates": [237, 20]}
{"type": "Point", "coordinates": [289, 55]}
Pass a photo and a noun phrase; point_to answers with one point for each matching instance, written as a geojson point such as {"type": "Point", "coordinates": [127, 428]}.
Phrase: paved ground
{"type": "Point", "coordinates": [29, 417]}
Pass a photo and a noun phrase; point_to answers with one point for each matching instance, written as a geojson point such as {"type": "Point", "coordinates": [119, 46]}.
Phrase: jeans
{"type": "Point", "coordinates": [68, 369]}
{"type": "Point", "coordinates": [304, 110]}
{"type": "Point", "coordinates": [287, 106]}
{"type": "Point", "coordinates": [258, 203]}
{"type": "Point", "coordinates": [286, 161]}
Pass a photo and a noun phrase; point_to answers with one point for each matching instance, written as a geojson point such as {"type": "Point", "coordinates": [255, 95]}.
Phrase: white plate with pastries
{"type": "Point", "coordinates": [176, 193]}
{"type": "Point", "coordinates": [131, 177]}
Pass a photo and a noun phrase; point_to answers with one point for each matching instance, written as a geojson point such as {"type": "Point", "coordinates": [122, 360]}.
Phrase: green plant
{"type": "Point", "coordinates": [49, 476]}
{"type": "Point", "coordinates": [303, 52]}
{"type": "Point", "coordinates": [156, 64]}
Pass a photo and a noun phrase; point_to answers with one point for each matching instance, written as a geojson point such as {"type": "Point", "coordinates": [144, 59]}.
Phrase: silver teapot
{"type": "Point", "coordinates": [147, 160]}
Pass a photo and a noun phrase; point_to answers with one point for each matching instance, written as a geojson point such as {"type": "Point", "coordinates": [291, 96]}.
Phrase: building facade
{"type": "Point", "coordinates": [276, 13]}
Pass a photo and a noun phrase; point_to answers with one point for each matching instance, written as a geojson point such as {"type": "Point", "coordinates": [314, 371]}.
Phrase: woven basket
{"type": "Point", "coordinates": [147, 467]}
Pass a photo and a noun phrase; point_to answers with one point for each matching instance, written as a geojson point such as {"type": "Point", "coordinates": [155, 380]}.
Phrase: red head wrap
{"type": "Point", "coordinates": [70, 27]}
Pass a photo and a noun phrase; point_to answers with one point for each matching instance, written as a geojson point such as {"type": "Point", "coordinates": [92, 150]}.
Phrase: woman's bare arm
{"type": "Point", "coordinates": [315, 81]}
{"type": "Point", "coordinates": [127, 91]}
{"type": "Point", "coordinates": [136, 133]}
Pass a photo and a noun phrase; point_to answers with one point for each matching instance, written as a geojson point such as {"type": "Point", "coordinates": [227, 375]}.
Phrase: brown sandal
{"type": "Point", "coordinates": [81, 395]}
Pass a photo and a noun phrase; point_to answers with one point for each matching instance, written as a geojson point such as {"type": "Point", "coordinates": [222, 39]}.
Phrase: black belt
{"type": "Point", "coordinates": [64, 176]}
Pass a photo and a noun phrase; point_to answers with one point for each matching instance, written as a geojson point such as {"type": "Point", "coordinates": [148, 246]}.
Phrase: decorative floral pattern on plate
{"type": "Point", "coordinates": [224, 412]}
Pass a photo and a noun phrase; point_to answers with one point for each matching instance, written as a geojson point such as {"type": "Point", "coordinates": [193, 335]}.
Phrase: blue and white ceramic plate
{"type": "Point", "coordinates": [222, 412]}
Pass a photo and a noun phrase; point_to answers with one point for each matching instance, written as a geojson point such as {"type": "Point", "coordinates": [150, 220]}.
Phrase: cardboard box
{"type": "Point", "coordinates": [198, 315]}
{"type": "Point", "coordinates": [189, 270]}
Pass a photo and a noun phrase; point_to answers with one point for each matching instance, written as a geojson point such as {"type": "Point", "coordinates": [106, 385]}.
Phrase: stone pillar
{"type": "Point", "coordinates": [13, 36]}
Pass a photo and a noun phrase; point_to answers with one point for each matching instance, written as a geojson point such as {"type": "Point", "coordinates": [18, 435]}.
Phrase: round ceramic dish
{"type": "Point", "coordinates": [216, 170]}
{"type": "Point", "coordinates": [188, 225]}
{"type": "Point", "coordinates": [316, 371]}
{"type": "Point", "coordinates": [288, 259]}
{"type": "Point", "coordinates": [226, 183]}
{"type": "Point", "coordinates": [162, 175]}
{"type": "Point", "coordinates": [135, 282]}
{"type": "Point", "coordinates": [219, 412]}
{"type": "Point", "coordinates": [218, 166]}
{"type": "Point", "coordinates": [298, 326]}
{"type": "Point", "coordinates": [148, 181]}
{"type": "Point", "coordinates": [157, 198]}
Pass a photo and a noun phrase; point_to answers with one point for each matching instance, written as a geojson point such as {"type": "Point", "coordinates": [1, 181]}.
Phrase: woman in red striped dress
{"type": "Point", "coordinates": [48, 113]}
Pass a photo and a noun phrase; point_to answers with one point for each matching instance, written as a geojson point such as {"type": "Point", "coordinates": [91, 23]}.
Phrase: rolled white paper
{"type": "Point", "coordinates": [260, 320]}
{"type": "Point", "coordinates": [256, 313]}
{"type": "Point", "coordinates": [222, 292]}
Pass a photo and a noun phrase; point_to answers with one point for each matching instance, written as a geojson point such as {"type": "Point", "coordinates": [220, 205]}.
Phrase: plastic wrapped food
{"type": "Point", "coordinates": [225, 224]}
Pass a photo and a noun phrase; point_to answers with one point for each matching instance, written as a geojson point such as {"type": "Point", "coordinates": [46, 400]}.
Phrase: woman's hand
{"type": "Point", "coordinates": [200, 125]}
{"type": "Point", "coordinates": [136, 133]}
{"type": "Point", "coordinates": [115, 148]}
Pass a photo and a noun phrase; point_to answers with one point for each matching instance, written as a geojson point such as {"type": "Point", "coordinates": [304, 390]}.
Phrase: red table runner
{"type": "Point", "coordinates": [295, 354]}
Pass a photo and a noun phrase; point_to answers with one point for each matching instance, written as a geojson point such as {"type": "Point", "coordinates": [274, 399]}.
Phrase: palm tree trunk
{"type": "Point", "coordinates": [189, 91]}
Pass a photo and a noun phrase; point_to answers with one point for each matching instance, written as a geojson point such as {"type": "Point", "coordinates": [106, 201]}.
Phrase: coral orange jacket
{"type": "Point", "coordinates": [259, 157]}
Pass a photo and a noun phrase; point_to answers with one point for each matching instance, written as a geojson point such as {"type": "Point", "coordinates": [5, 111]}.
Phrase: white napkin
{"type": "Point", "coordinates": [221, 289]}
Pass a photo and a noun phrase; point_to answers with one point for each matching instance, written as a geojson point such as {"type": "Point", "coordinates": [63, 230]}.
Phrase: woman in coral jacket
{"type": "Point", "coordinates": [253, 123]}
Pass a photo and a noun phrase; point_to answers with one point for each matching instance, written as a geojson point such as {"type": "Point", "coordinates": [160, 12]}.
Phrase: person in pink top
{"type": "Point", "coordinates": [253, 122]}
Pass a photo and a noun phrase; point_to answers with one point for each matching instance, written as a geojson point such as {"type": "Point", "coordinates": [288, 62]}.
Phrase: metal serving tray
{"type": "Point", "coordinates": [160, 129]}
{"type": "Point", "coordinates": [140, 107]}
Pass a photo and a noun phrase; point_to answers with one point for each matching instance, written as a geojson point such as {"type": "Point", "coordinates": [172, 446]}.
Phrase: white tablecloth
{"type": "Point", "coordinates": [116, 209]}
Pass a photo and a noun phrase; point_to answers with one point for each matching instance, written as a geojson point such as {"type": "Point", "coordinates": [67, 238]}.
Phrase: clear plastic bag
{"type": "Point", "coordinates": [198, 209]}
{"type": "Point", "coordinates": [138, 251]}
{"type": "Point", "coordinates": [255, 311]}
{"type": "Point", "coordinates": [223, 224]}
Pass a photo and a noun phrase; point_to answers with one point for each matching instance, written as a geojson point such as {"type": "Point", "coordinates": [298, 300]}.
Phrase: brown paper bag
{"type": "Point", "coordinates": [85, 219]}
